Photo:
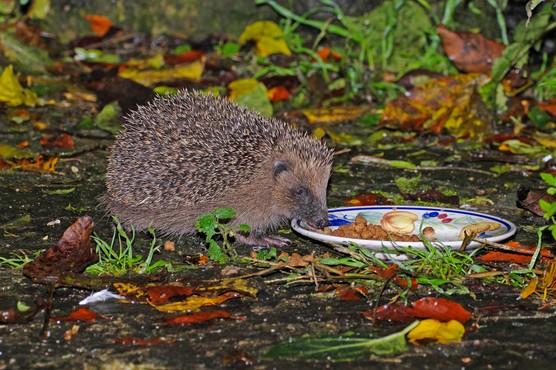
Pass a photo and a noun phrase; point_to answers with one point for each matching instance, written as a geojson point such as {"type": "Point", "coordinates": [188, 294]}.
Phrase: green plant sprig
{"type": "Point", "coordinates": [214, 225]}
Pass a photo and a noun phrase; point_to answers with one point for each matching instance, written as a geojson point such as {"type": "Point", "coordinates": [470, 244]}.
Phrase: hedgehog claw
{"type": "Point", "coordinates": [262, 240]}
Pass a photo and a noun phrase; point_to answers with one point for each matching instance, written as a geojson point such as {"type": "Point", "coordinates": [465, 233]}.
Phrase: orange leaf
{"type": "Point", "coordinates": [278, 93]}
{"type": "Point", "coordinates": [198, 317]}
{"type": "Point", "coordinates": [530, 288]}
{"type": "Point", "coordinates": [99, 24]}
{"type": "Point", "coordinates": [185, 57]}
{"type": "Point", "coordinates": [81, 314]}
{"type": "Point", "coordinates": [470, 52]}
{"type": "Point", "coordinates": [548, 106]}
{"type": "Point", "coordinates": [368, 199]}
{"type": "Point", "coordinates": [506, 257]}
{"type": "Point", "coordinates": [61, 140]}
{"type": "Point", "coordinates": [326, 53]}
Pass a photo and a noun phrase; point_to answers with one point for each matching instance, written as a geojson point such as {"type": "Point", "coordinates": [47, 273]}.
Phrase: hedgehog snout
{"type": "Point", "coordinates": [319, 221]}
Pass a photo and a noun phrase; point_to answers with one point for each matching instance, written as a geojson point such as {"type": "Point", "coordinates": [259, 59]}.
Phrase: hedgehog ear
{"type": "Point", "coordinates": [280, 167]}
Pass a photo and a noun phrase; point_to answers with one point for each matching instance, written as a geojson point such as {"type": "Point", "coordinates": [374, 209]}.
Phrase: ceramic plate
{"type": "Point", "coordinates": [448, 225]}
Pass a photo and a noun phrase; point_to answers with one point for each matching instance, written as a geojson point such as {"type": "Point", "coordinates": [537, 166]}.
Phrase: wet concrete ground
{"type": "Point", "coordinates": [518, 336]}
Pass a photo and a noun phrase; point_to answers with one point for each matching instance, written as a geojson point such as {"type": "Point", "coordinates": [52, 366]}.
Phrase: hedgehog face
{"type": "Point", "coordinates": [300, 192]}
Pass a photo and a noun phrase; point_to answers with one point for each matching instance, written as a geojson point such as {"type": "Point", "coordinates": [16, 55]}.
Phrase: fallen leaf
{"type": "Point", "coordinates": [530, 288]}
{"type": "Point", "coordinates": [195, 302]}
{"type": "Point", "coordinates": [440, 309]}
{"type": "Point", "coordinates": [447, 102]}
{"type": "Point", "coordinates": [528, 198]}
{"type": "Point", "coordinates": [326, 53]}
{"type": "Point", "coordinates": [436, 332]}
{"type": "Point", "coordinates": [38, 164]}
{"type": "Point", "coordinates": [425, 308]}
{"type": "Point", "coordinates": [191, 71]}
{"type": "Point", "coordinates": [197, 317]}
{"type": "Point", "coordinates": [81, 314]}
{"type": "Point", "coordinates": [548, 106]}
{"type": "Point", "coordinates": [72, 254]}
{"type": "Point", "coordinates": [268, 37]}
{"type": "Point", "coordinates": [60, 140]}
{"type": "Point", "coordinates": [351, 293]}
{"type": "Point", "coordinates": [470, 52]}
{"type": "Point", "coordinates": [278, 93]}
{"type": "Point", "coordinates": [368, 199]}
{"type": "Point", "coordinates": [333, 114]}
{"type": "Point", "coordinates": [185, 57]}
{"type": "Point", "coordinates": [11, 91]}
{"type": "Point", "coordinates": [99, 24]}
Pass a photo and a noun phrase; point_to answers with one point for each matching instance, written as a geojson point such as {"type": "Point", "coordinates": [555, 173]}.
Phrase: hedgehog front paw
{"type": "Point", "coordinates": [262, 240]}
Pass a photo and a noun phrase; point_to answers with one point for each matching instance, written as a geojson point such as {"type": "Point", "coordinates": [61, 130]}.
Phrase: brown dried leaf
{"type": "Point", "coordinates": [470, 52]}
{"type": "Point", "coordinates": [72, 254]}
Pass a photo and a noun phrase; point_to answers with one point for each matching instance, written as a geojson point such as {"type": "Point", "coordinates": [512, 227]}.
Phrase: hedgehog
{"type": "Point", "coordinates": [182, 156]}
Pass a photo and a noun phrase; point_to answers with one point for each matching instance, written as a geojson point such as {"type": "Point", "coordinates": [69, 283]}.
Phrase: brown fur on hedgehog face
{"type": "Point", "coordinates": [299, 190]}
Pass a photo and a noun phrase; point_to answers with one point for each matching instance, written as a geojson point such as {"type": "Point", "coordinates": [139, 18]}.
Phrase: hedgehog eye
{"type": "Point", "coordinates": [301, 192]}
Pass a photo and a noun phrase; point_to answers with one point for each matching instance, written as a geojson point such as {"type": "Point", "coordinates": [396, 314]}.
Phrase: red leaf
{"type": "Point", "coordinates": [548, 106]}
{"type": "Point", "coordinates": [81, 314]}
{"type": "Point", "coordinates": [160, 294]}
{"type": "Point", "coordinates": [185, 57]}
{"type": "Point", "coordinates": [351, 294]}
{"type": "Point", "coordinates": [202, 316]}
{"type": "Point", "coordinates": [440, 309]}
{"type": "Point", "coordinates": [392, 312]}
{"type": "Point", "coordinates": [425, 308]}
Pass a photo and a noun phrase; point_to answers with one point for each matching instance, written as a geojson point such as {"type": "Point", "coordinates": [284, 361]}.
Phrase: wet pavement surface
{"type": "Point", "coordinates": [516, 335]}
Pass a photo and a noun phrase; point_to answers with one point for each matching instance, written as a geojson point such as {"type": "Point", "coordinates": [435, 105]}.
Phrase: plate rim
{"type": "Point", "coordinates": [378, 244]}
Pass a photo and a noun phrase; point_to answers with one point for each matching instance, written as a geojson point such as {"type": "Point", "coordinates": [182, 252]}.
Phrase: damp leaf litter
{"type": "Point", "coordinates": [420, 107]}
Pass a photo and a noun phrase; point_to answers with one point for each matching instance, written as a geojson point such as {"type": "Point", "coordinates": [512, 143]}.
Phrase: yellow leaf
{"type": "Point", "coordinates": [333, 114]}
{"type": "Point", "coordinates": [548, 141]}
{"type": "Point", "coordinates": [530, 288]}
{"type": "Point", "coordinates": [268, 37]}
{"type": "Point", "coordinates": [237, 285]}
{"type": "Point", "coordinates": [192, 71]}
{"type": "Point", "coordinates": [12, 92]}
{"type": "Point", "coordinates": [195, 302]}
{"type": "Point", "coordinates": [242, 87]}
{"type": "Point", "coordinates": [439, 332]}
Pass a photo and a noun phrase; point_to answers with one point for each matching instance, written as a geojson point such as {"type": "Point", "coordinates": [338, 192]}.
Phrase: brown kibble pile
{"type": "Point", "coordinates": [359, 229]}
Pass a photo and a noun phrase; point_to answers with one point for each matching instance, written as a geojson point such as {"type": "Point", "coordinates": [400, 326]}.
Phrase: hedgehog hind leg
{"type": "Point", "coordinates": [262, 240]}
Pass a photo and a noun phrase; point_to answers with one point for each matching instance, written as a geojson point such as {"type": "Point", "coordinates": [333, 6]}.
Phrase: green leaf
{"type": "Point", "coordinates": [207, 225]}
{"type": "Point", "coordinates": [244, 228]}
{"type": "Point", "coordinates": [548, 208]}
{"type": "Point", "coordinates": [347, 261]}
{"type": "Point", "coordinates": [215, 253]}
{"type": "Point", "coordinates": [223, 213]}
{"type": "Point", "coordinates": [549, 179]}
{"type": "Point", "coordinates": [341, 348]}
